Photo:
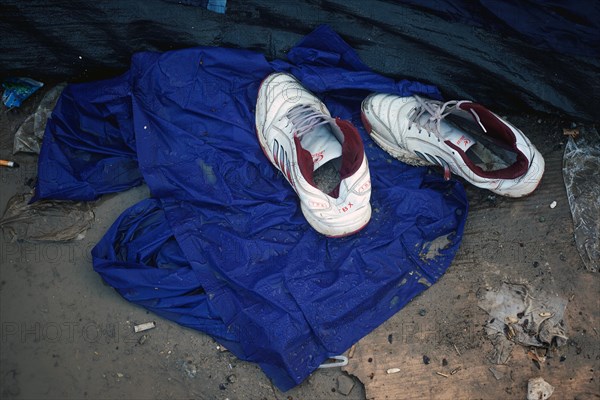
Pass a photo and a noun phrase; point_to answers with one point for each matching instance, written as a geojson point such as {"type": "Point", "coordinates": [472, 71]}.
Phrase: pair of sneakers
{"type": "Point", "coordinates": [324, 160]}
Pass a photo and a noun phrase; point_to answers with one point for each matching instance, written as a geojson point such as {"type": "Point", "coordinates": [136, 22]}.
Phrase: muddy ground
{"type": "Point", "coordinates": [65, 334]}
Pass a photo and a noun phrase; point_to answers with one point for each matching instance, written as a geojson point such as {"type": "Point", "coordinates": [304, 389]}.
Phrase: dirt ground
{"type": "Point", "coordinates": [64, 334]}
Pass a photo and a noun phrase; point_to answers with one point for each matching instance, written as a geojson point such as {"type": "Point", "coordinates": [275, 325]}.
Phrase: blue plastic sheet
{"type": "Point", "coordinates": [222, 245]}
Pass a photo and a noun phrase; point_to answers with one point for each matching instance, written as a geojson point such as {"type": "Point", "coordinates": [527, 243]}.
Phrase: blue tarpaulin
{"type": "Point", "coordinates": [222, 246]}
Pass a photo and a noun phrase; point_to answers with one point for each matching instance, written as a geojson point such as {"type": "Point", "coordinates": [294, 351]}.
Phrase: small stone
{"type": "Point", "coordinates": [390, 338]}
{"type": "Point", "coordinates": [142, 339]}
{"type": "Point", "coordinates": [345, 384]}
{"type": "Point", "coordinates": [562, 358]}
{"type": "Point", "coordinates": [119, 375]}
{"type": "Point", "coordinates": [542, 219]}
{"type": "Point", "coordinates": [553, 204]}
{"type": "Point", "coordinates": [426, 360]}
{"type": "Point", "coordinates": [536, 264]}
{"type": "Point", "coordinates": [444, 362]}
{"type": "Point", "coordinates": [422, 312]}
{"type": "Point", "coordinates": [562, 257]}
{"type": "Point", "coordinates": [231, 378]}
{"type": "Point", "coordinates": [190, 369]}
{"type": "Point", "coordinates": [222, 386]}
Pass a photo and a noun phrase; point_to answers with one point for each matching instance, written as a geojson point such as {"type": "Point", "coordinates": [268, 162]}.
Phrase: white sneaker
{"type": "Point", "coordinates": [461, 136]}
{"type": "Point", "coordinates": [301, 139]}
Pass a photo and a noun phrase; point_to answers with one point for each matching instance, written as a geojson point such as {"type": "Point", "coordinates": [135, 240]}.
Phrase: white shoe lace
{"type": "Point", "coordinates": [305, 118]}
{"type": "Point", "coordinates": [436, 110]}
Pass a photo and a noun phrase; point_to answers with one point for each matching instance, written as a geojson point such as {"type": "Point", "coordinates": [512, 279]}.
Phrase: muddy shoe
{"type": "Point", "coordinates": [462, 137]}
{"type": "Point", "coordinates": [301, 139]}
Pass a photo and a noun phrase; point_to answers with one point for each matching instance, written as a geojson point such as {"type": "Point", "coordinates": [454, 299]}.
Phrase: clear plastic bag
{"type": "Point", "coordinates": [46, 220]}
{"type": "Point", "coordinates": [29, 135]}
{"type": "Point", "coordinates": [581, 163]}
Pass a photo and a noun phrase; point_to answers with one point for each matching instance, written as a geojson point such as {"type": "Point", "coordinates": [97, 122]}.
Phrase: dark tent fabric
{"type": "Point", "coordinates": [222, 245]}
{"type": "Point", "coordinates": [567, 27]}
{"type": "Point", "coordinates": [511, 55]}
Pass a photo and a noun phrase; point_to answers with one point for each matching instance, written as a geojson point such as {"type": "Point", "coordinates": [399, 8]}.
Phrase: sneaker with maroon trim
{"type": "Point", "coordinates": [322, 157]}
{"type": "Point", "coordinates": [462, 137]}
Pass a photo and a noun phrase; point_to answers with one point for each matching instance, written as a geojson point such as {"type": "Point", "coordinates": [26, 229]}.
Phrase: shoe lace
{"type": "Point", "coordinates": [305, 118]}
{"type": "Point", "coordinates": [437, 111]}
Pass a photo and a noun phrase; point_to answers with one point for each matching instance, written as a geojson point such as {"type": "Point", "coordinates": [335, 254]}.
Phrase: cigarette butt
{"type": "Point", "coordinates": [9, 164]}
{"type": "Point", "coordinates": [352, 350]}
{"type": "Point", "coordinates": [455, 370]}
{"type": "Point", "coordinates": [456, 348]}
{"type": "Point", "coordinates": [440, 374]}
{"type": "Point", "coordinates": [393, 370]}
{"type": "Point", "coordinates": [144, 327]}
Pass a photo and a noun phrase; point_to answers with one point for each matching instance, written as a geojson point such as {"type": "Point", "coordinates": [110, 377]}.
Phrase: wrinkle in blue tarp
{"type": "Point", "coordinates": [222, 245]}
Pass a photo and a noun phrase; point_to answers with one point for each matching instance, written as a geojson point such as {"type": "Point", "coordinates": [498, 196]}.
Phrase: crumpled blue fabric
{"type": "Point", "coordinates": [222, 246]}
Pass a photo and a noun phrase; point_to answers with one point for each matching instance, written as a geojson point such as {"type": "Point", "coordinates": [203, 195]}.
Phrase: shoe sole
{"type": "Point", "coordinates": [312, 221]}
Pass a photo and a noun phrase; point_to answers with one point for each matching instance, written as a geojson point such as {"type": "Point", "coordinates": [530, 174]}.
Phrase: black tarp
{"type": "Point", "coordinates": [514, 55]}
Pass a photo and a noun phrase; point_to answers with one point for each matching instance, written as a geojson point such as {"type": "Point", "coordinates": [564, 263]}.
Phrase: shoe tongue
{"type": "Point", "coordinates": [322, 145]}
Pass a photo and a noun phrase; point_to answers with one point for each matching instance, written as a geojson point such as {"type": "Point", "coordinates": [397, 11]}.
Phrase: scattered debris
{"type": "Point", "coordinates": [393, 370]}
{"type": "Point", "coordinates": [539, 389]}
{"type": "Point", "coordinates": [432, 250]}
{"type": "Point", "coordinates": [542, 219]}
{"type": "Point", "coordinates": [456, 348]}
{"type": "Point", "coordinates": [553, 204]}
{"type": "Point", "coordinates": [190, 369]}
{"type": "Point", "coordinates": [423, 281]}
{"type": "Point", "coordinates": [537, 360]}
{"type": "Point", "coordinates": [31, 132]}
{"type": "Point", "coordinates": [46, 220]}
{"type": "Point", "coordinates": [335, 361]}
{"type": "Point", "coordinates": [120, 375]}
{"type": "Point", "coordinates": [455, 370]}
{"type": "Point", "coordinates": [345, 384]}
{"type": "Point", "coordinates": [144, 327]}
{"type": "Point", "coordinates": [142, 339]}
{"type": "Point", "coordinates": [16, 90]}
{"type": "Point", "coordinates": [516, 318]}
{"type": "Point", "coordinates": [351, 351]}
{"type": "Point", "coordinates": [422, 312]}
{"type": "Point", "coordinates": [497, 374]}
{"type": "Point", "coordinates": [441, 374]}
{"type": "Point", "coordinates": [573, 132]}
{"type": "Point", "coordinates": [232, 378]}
